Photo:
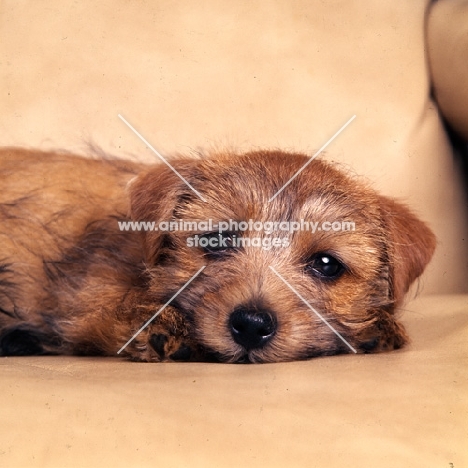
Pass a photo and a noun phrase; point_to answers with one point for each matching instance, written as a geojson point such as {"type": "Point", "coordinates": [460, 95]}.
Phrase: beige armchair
{"type": "Point", "coordinates": [249, 74]}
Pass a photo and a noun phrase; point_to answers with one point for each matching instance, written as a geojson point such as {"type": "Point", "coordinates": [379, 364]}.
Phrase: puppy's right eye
{"type": "Point", "coordinates": [216, 244]}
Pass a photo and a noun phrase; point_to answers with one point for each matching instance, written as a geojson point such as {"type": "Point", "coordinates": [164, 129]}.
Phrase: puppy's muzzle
{"type": "Point", "coordinates": [252, 328]}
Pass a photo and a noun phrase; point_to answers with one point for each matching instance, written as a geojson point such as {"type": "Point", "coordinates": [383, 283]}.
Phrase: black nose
{"type": "Point", "coordinates": [251, 328]}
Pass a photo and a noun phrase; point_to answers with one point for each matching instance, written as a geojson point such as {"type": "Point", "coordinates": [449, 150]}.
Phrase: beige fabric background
{"type": "Point", "coordinates": [216, 73]}
{"type": "Point", "coordinates": [246, 74]}
{"type": "Point", "coordinates": [401, 409]}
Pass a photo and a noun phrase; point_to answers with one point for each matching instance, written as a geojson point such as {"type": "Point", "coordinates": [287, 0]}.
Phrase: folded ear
{"type": "Point", "coordinates": [154, 195]}
{"type": "Point", "coordinates": [410, 246]}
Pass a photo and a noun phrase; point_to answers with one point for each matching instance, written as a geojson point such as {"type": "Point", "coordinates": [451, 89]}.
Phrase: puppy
{"type": "Point", "coordinates": [84, 270]}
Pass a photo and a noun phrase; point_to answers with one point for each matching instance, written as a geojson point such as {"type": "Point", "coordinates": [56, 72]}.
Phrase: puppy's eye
{"type": "Point", "coordinates": [216, 243]}
{"type": "Point", "coordinates": [325, 266]}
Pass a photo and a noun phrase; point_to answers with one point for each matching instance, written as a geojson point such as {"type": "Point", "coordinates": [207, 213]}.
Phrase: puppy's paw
{"type": "Point", "coordinates": [169, 348]}
{"type": "Point", "coordinates": [387, 336]}
{"type": "Point", "coordinates": [166, 339]}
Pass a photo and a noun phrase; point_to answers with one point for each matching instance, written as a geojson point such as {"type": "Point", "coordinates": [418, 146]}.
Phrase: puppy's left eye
{"type": "Point", "coordinates": [325, 265]}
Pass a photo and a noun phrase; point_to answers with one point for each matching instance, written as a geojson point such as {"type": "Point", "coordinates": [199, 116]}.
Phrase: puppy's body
{"type": "Point", "coordinates": [72, 282]}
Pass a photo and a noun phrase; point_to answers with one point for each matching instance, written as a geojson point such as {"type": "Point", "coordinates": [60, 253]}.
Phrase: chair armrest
{"type": "Point", "coordinates": [447, 40]}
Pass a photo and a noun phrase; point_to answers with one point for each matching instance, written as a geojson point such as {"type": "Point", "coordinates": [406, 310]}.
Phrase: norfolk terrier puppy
{"type": "Point", "coordinates": [259, 257]}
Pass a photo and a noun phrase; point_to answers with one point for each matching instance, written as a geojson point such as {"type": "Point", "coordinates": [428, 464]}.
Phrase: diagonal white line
{"type": "Point", "coordinates": [158, 154]}
{"type": "Point", "coordinates": [161, 309]}
{"type": "Point", "coordinates": [313, 310]}
{"type": "Point", "coordinates": [312, 158]}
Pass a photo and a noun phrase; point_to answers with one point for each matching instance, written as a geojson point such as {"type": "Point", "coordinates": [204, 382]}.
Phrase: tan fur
{"type": "Point", "coordinates": [72, 282]}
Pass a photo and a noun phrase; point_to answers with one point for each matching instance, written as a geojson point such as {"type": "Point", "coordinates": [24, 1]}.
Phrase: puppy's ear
{"type": "Point", "coordinates": [410, 246]}
{"type": "Point", "coordinates": [154, 195]}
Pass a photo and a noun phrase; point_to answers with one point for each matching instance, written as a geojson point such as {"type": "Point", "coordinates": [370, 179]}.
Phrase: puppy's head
{"type": "Point", "coordinates": [318, 267]}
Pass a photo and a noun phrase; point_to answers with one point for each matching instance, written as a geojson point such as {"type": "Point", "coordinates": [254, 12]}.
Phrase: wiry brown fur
{"type": "Point", "coordinates": [71, 282]}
